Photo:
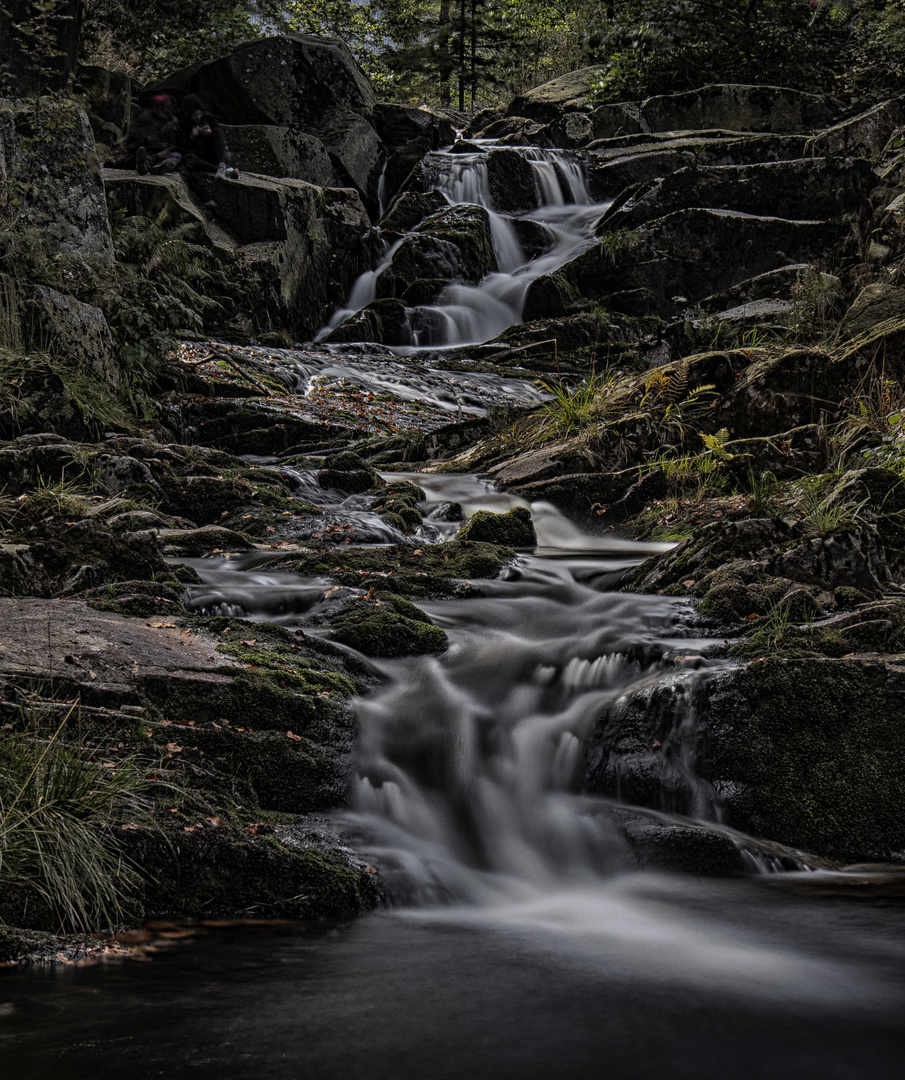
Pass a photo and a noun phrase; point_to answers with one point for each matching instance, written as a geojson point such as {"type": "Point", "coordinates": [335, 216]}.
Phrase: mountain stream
{"type": "Point", "coordinates": [521, 939]}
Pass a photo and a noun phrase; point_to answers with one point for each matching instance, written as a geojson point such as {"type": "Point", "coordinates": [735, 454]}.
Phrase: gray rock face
{"type": "Point", "coordinates": [280, 152]}
{"type": "Point", "coordinates": [289, 81]}
{"type": "Point", "coordinates": [736, 107]}
{"type": "Point", "coordinates": [50, 163]}
{"type": "Point", "coordinates": [866, 134]}
{"type": "Point", "coordinates": [808, 188]}
{"type": "Point", "coordinates": [60, 324]}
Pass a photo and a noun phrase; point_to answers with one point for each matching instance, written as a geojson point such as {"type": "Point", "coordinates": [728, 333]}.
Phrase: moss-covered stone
{"type": "Point", "coordinates": [514, 529]}
{"type": "Point", "coordinates": [405, 570]}
{"type": "Point", "coordinates": [809, 752]}
{"type": "Point", "coordinates": [386, 626]}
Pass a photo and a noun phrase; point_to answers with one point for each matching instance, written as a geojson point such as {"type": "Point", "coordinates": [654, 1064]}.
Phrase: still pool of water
{"type": "Point", "coordinates": [646, 978]}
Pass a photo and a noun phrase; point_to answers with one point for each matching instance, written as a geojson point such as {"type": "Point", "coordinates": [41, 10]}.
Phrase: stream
{"type": "Point", "coordinates": [520, 939]}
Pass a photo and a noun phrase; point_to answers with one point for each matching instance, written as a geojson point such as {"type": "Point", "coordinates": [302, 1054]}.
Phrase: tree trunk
{"type": "Point", "coordinates": [445, 42]}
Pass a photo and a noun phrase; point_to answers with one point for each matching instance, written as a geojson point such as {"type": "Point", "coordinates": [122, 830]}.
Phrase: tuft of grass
{"type": "Point", "coordinates": [58, 808]}
{"type": "Point", "coordinates": [823, 514]}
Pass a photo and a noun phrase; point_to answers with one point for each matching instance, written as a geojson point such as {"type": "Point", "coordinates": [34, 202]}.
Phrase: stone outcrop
{"type": "Point", "coordinates": [301, 245]}
{"type": "Point", "coordinates": [732, 107]}
{"type": "Point", "coordinates": [54, 189]}
{"type": "Point", "coordinates": [306, 84]}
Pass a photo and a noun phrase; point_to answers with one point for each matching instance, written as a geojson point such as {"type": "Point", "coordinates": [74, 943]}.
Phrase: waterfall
{"type": "Point", "coordinates": [466, 314]}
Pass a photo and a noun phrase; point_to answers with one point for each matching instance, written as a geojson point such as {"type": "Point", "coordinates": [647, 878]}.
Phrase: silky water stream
{"type": "Point", "coordinates": [519, 941]}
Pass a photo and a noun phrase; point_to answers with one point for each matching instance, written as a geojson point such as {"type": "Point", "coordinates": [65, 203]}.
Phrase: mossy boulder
{"type": "Point", "coordinates": [809, 752]}
{"type": "Point", "coordinates": [386, 626]}
{"type": "Point", "coordinates": [514, 529]}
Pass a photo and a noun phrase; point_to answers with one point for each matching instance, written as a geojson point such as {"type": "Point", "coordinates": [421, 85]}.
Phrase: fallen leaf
{"type": "Point", "coordinates": [174, 748]}
{"type": "Point", "coordinates": [370, 869]}
{"type": "Point", "coordinates": [253, 641]}
{"type": "Point", "coordinates": [215, 821]}
{"type": "Point", "coordinates": [688, 584]}
{"type": "Point", "coordinates": [295, 738]}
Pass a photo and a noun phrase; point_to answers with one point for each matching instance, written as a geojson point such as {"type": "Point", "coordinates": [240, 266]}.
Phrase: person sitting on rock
{"type": "Point", "coordinates": [152, 138]}
{"type": "Point", "coordinates": [201, 139]}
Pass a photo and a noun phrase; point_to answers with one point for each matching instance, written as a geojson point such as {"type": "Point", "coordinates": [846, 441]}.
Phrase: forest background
{"type": "Point", "coordinates": [473, 54]}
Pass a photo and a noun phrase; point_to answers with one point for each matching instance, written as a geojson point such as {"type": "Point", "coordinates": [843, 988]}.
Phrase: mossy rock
{"type": "Point", "coordinates": [406, 570]}
{"type": "Point", "coordinates": [386, 626]}
{"type": "Point", "coordinates": [514, 529]}
{"type": "Point", "coordinates": [809, 752]}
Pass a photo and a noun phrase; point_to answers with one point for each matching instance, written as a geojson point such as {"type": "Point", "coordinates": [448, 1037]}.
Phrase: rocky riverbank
{"type": "Point", "coordinates": [718, 367]}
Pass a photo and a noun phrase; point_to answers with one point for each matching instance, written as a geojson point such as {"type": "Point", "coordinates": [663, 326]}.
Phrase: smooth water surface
{"type": "Point", "coordinates": [654, 978]}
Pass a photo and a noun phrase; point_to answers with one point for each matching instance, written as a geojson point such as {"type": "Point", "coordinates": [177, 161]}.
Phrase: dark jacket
{"type": "Point", "coordinates": [205, 137]}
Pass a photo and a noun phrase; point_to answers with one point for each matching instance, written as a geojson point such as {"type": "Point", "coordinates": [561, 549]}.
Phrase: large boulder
{"type": "Point", "coordinates": [451, 245]}
{"type": "Point", "coordinates": [289, 81]}
{"type": "Point", "coordinates": [808, 752]}
{"type": "Point", "coordinates": [567, 93]}
{"type": "Point", "coordinates": [78, 332]}
{"type": "Point", "coordinates": [357, 154]}
{"type": "Point", "coordinates": [734, 107]}
{"type": "Point", "coordinates": [304, 245]}
{"type": "Point", "coordinates": [806, 188]}
{"type": "Point", "coordinates": [300, 246]}
{"type": "Point", "coordinates": [737, 107]}
{"type": "Point", "coordinates": [302, 82]}
{"type": "Point", "coordinates": [876, 303]}
{"type": "Point", "coordinates": [804, 752]}
{"type": "Point", "coordinates": [279, 152]}
{"type": "Point", "coordinates": [680, 258]}
{"type": "Point", "coordinates": [54, 191]}
{"type": "Point", "coordinates": [866, 134]}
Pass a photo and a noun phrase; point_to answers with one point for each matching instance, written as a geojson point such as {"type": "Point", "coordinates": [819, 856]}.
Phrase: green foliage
{"type": "Point", "coordinates": [166, 281]}
{"type": "Point", "coordinates": [573, 407]}
{"type": "Point", "coordinates": [151, 40]}
{"type": "Point", "coordinates": [58, 808]}
{"type": "Point", "coordinates": [650, 46]}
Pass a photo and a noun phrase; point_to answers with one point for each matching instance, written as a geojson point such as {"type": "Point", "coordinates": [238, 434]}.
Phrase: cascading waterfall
{"type": "Point", "coordinates": [471, 764]}
{"type": "Point", "coordinates": [468, 314]}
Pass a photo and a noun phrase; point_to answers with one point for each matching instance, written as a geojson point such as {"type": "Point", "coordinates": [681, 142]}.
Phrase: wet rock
{"type": "Point", "coordinates": [384, 321]}
{"type": "Point", "coordinates": [386, 626]}
{"type": "Point", "coordinates": [348, 472]}
{"type": "Point", "coordinates": [410, 209]}
{"type": "Point", "coordinates": [511, 182]}
{"type": "Point", "coordinates": [201, 541]}
{"type": "Point", "coordinates": [514, 529]}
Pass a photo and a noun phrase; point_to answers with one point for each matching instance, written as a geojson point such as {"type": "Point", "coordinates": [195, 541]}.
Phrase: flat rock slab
{"type": "Point", "coordinates": [105, 653]}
